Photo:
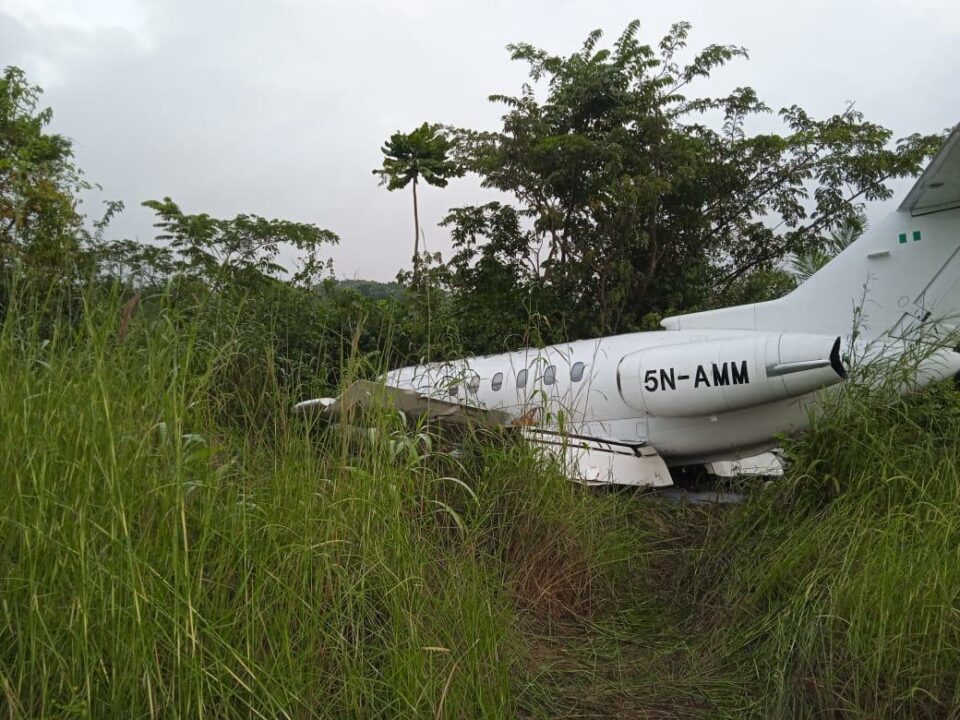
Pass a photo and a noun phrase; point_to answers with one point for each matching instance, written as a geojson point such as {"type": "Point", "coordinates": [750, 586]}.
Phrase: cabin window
{"type": "Point", "coordinates": [550, 375]}
{"type": "Point", "coordinates": [473, 384]}
{"type": "Point", "coordinates": [497, 382]}
{"type": "Point", "coordinates": [522, 378]}
{"type": "Point", "coordinates": [576, 372]}
{"type": "Point", "coordinates": [452, 390]}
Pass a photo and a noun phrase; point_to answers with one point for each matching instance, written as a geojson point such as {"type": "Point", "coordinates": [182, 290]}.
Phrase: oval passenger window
{"type": "Point", "coordinates": [550, 375]}
{"type": "Point", "coordinates": [576, 372]}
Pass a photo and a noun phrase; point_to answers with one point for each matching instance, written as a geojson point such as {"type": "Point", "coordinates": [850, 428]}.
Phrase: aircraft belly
{"type": "Point", "coordinates": [628, 430]}
{"type": "Point", "coordinates": [751, 428]}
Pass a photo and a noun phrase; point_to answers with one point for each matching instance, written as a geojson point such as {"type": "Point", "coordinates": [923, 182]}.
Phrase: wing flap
{"type": "Point", "coordinates": [601, 461]}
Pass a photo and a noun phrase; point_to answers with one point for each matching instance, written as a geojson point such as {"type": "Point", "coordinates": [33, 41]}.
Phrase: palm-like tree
{"type": "Point", "coordinates": [411, 157]}
{"type": "Point", "coordinates": [806, 264]}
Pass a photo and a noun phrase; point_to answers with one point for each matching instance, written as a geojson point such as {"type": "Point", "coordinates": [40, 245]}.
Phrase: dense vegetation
{"type": "Point", "coordinates": [174, 542]}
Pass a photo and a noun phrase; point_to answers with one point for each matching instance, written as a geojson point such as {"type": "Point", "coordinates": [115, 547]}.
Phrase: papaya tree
{"type": "Point", "coordinates": [408, 158]}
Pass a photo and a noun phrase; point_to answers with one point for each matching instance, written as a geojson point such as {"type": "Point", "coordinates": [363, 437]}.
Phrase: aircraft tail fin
{"type": "Point", "coordinates": [903, 271]}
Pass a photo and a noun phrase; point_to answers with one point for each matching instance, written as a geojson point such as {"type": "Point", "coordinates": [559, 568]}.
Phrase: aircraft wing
{"type": "Point", "coordinates": [365, 395]}
{"type": "Point", "coordinates": [586, 459]}
{"type": "Point", "coordinates": [938, 188]}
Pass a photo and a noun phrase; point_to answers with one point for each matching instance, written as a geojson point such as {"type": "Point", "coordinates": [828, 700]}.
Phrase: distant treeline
{"type": "Point", "coordinates": [370, 289]}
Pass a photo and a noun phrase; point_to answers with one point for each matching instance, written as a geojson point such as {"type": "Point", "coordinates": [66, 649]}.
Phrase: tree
{"type": "Point", "coordinates": [241, 252]}
{"type": "Point", "coordinates": [804, 265]}
{"type": "Point", "coordinates": [39, 184]}
{"type": "Point", "coordinates": [630, 203]}
{"type": "Point", "coordinates": [494, 298]}
{"type": "Point", "coordinates": [408, 158]}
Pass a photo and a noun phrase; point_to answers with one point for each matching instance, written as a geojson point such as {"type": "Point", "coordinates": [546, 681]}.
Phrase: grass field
{"type": "Point", "coordinates": [175, 543]}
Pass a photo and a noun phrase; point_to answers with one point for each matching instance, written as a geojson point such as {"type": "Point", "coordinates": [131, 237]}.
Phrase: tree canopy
{"type": "Point", "coordinates": [632, 195]}
{"type": "Point", "coordinates": [39, 183]}
{"type": "Point", "coordinates": [241, 251]}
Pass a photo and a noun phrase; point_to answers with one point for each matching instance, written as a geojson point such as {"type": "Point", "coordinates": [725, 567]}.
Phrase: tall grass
{"type": "Point", "coordinates": [158, 561]}
{"type": "Point", "coordinates": [174, 543]}
{"type": "Point", "coordinates": [840, 588]}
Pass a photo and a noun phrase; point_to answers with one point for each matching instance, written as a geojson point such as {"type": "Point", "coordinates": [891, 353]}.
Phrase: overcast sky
{"type": "Point", "coordinates": [279, 107]}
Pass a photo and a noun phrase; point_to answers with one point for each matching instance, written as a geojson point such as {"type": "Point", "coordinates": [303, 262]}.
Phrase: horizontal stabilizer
{"type": "Point", "coordinates": [938, 188]}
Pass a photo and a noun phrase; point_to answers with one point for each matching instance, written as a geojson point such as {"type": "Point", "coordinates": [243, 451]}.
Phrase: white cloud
{"type": "Point", "coordinates": [80, 15]}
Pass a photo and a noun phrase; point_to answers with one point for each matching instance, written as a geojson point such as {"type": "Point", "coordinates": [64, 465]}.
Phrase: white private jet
{"type": "Point", "coordinates": [719, 386]}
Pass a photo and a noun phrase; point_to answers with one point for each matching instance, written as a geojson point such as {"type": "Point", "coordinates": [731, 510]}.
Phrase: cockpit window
{"type": "Point", "coordinates": [576, 372]}
{"type": "Point", "coordinates": [550, 375]}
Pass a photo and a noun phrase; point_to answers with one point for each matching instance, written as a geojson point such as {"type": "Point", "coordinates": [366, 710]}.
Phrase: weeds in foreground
{"type": "Point", "coordinates": [840, 587]}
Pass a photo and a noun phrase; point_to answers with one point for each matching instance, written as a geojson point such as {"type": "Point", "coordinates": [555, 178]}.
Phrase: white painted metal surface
{"type": "Point", "coordinates": [938, 188]}
{"type": "Point", "coordinates": [764, 465]}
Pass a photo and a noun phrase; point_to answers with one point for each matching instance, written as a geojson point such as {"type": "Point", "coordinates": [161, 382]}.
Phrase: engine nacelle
{"type": "Point", "coordinates": [708, 377]}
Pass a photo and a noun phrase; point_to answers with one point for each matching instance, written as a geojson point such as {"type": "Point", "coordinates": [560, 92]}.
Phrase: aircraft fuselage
{"type": "Point", "coordinates": [693, 395]}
